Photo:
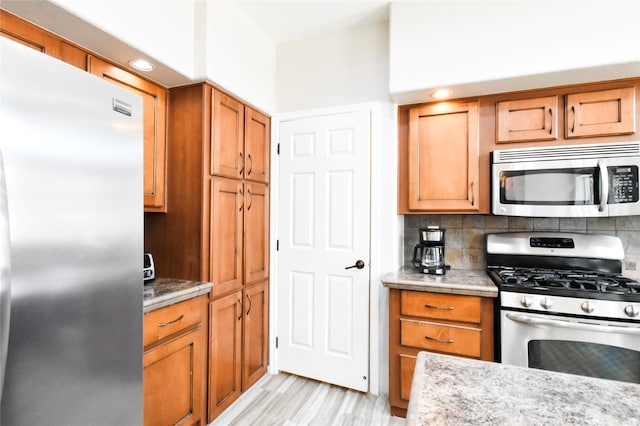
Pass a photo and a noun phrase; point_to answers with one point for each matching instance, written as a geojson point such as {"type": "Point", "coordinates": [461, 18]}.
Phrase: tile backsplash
{"type": "Point", "coordinates": [465, 235]}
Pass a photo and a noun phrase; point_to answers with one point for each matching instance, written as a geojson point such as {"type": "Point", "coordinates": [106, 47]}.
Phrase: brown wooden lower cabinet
{"type": "Point", "coordinates": [174, 361]}
{"type": "Point", "coordinates": [444, 323]}
{"type": "Point", "coordinates": [225, 347]}
{"type": "Point", "coordinates": [238, 344]}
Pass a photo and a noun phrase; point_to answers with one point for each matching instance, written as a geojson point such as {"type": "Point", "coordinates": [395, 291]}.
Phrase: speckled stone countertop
{"type": "Point", "coordinates": [449, 390]}
{"type": "Point", "coordinates": [456, 281]}
{"type": "Point", "coordinates": [168, 291]}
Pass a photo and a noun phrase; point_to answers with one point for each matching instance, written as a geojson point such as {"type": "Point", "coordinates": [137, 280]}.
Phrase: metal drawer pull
{"type": "Point", "coordinates": [241, 309]}
{"type": "Point", "coordinates": [440, 340]}
{"type": "Point", "coordinates": [241, 168]}
{"type": "Point", "coordinates": [164, 324]}
{"type": "Point", "coordinates": [446, 308]}
{"type": "Point", "coordinates": [525, 319]}
{"type": "Point", "coordinates": [250, 198]}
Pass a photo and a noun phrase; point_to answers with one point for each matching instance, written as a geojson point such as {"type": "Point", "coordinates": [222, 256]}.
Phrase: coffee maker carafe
{"type": "Point", "coordinates": [428, 255]}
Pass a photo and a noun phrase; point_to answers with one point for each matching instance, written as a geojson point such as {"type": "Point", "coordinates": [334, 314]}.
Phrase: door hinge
{"type": "Point", "coordinates": [277, 245]}
{"type": "Point", "coordinates": [278, 148]}
{"type": "Point", "coordinates": [276, 342]}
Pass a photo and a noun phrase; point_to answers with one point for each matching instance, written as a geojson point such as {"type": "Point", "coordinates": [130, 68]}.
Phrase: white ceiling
{"type": "Point", "coordinates": [285, 21]}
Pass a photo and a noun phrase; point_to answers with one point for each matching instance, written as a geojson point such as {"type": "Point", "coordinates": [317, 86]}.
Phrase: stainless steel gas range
{"type": "Point", "coordinates": [564, 305]}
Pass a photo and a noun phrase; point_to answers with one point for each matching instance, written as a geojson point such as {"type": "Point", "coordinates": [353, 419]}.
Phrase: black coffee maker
{"type": "Point", "coordinates": [428, 256]}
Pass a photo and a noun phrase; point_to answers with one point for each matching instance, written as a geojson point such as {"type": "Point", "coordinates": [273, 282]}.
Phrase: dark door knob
{"type": "Point", "coordinates": [359, 264]}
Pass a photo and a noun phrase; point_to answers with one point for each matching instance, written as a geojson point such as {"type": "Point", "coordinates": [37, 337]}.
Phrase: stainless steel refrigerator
{"type": "Point", "coordinates": [71, 245]}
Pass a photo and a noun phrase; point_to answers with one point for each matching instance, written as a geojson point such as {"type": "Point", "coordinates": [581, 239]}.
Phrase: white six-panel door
{"type": "Point", "coordinates": [323, 227]}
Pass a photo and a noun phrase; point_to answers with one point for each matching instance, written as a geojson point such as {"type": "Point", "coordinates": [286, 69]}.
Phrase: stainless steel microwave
{"type": "Point", "coordinates": [566, 181]}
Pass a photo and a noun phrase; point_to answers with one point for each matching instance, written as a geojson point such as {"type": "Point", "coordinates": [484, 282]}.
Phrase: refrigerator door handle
{"type": "Point", "coordinates": [5, 275]}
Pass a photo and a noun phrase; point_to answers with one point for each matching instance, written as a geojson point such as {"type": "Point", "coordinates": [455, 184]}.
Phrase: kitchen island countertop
{"type": "Point", "coordinates": [167, 291]}
{"type": "Point", "coordinates": [456, 281]}
{"type": "Point", "coordinates": [450, 390]}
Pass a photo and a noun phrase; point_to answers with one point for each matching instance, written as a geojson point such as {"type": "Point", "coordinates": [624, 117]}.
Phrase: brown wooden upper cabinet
{"type": "Point", "coordinates": [154, 104]}
{"type": "Point", "coordinates": [601, 113]}
{"type": "Point", "coordinates": [154, 96]}
{"type": "Point", "coordinates": [527, 120]}
{"type": "Point", "coordinates": [23, 32]}
{"type": "Point", "coordinates": [257, 135]}
{"type": "Point", "coordinates": [443, 157]}
{"type": "Point", "coordinates": [240, 140]}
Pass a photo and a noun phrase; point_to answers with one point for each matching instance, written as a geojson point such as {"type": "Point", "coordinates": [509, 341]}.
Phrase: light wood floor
{"type": "Point", "coordinates": [285, 399]}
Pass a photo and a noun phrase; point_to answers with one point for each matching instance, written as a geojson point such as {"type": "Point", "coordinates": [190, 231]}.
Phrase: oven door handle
{"type": "Point", "coordinates": [572, 325]}
{"type": "Point", "coordinates": [604, 185]}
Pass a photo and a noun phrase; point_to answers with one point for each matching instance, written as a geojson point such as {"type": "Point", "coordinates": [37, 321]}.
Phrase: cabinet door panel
{"type": "Point", "coordinates": [527, 120]}
{"type": "Point", "coordinates": [407, 366]}
{"type": "Point", "coordinates": [443, 157]}
{"type": "Point", "coordinates": [226, 230]}
{"type": "Point", "coordinates": [154, 101]}
{"type": "Point", "coordinates": [256, 334]}
{"type": "Point", "coordinates": [172, 386]}
{"type": "Point", "coordinates": [227, 146]}
{"type": "Point", "coordinates": [257, 136]}
{"type": "Point", "coordinates": [601, 113]}
{"type": "Point", "coordinates": [225, 347]}
{"type": "Point", "coordinates": [256, 233]}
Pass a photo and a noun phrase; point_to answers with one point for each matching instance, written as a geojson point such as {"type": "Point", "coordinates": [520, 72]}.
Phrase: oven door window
{"type": "Point", "coordinates": [591, 347]}
{"type": "Point", "coordinates": [586, 359]}
{"type": "Point", "coordinates": [552, 187]}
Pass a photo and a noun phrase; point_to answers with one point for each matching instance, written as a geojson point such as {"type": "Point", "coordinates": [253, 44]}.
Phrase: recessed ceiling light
{"type": "Point", "coordinates": [142, 65]}
{"type": "Point", "coordinates": [442, 93]}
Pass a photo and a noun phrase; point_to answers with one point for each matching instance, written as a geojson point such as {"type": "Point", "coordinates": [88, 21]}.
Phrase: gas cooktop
{"type": "Point", "coordinates": [560, 264]}
{"type": "Point", "coordinates": [573, 283]}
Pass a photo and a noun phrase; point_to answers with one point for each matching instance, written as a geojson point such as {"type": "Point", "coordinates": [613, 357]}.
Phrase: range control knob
{"type": "Point", "coordinates": [546, 303]}
{"type": "Point", "coordinates": [632, 311]}
{"type": "Point", "coordinates": [588, 307]}
{"type": "Point", "coordinates": [526, 301]}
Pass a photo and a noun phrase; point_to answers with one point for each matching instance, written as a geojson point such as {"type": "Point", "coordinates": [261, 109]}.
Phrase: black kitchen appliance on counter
{"type": "Point", "coordinates": [149, 268]}
{"type": "Point", "coordinates": [428, 255]}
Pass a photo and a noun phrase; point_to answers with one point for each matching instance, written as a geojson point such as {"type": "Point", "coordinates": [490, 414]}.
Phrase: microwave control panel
{"type": "Point", "coordinates": [623, 184]}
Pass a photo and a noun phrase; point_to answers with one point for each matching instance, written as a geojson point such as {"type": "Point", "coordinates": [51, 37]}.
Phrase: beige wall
{"type": "Point", "coordinates": [482, 47]}
{"type": "Point", "coordinates": [340, 68]}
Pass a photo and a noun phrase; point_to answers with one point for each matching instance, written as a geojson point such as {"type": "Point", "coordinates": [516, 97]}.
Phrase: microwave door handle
{"type": "Point", "coordinates": [604, 185]}
{"type": "Point", "coordinates": [5, 276]}
{"type": "Point", "coordinates": [525, 319]}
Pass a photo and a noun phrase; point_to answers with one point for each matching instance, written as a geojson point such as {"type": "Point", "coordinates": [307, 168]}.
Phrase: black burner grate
{"type": "Point", "coordinates": [567, 280]}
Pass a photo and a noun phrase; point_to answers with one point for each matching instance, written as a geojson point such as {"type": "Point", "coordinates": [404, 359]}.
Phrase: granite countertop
{"type": "Point", "coordinates": [455, 281]}
{"type": "Point", "coordinates": [167, 291]}
{"type": "Point", "coordinates": [449, 390]}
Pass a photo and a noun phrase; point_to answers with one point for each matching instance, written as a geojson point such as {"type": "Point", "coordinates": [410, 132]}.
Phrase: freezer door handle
{"type": "Point", "coordinates": [5, 275]}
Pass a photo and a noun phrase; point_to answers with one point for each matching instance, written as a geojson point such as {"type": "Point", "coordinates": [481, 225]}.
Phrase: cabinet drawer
{"type": "Point", "coordinates": [440, 306]}
{"type": "Point", "coordinates": [442, 338]}
{"type": "Point", "coordinates": [172, 319]}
